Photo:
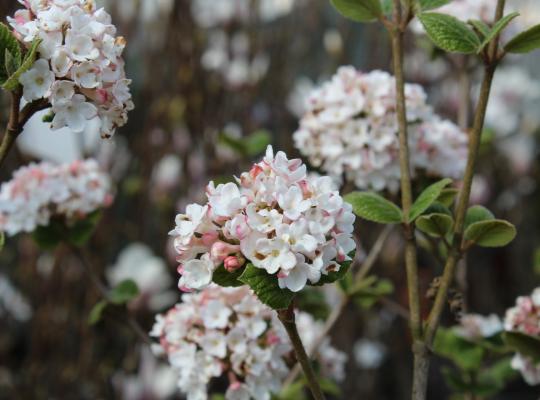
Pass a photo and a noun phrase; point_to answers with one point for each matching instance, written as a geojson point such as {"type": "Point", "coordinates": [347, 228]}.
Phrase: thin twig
{"type": "Point", "coordinates": [337, 310]}
{"type": "Point", "coordinates": [287, 318]}
{"type": "Point", "coordinates": [17, 119]}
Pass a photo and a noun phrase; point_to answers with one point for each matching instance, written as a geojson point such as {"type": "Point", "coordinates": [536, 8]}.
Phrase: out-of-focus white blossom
{"type": "Point", "coordinates": [12, 302]}
{"type": "Point", "coordinates": [369, 354]}
{"type": "Point", "coordinates": [39, 192]}
{"type": "Point", "coordinates": [514, 102]}
{"type": "Point", "coordinates": [350, 129]}
{"type": "Point", "coordinates": [138, 263]}
{"type": "Point", "coordinates": [228, 332]}
{"type": "Point", "coordinates": [530, 371]}
{"type": "Point", "coordinates": [297, 100]}
{"type": "Point", "coordinates": [230, 56]}
{"type": "Point", "coordinates": [275, 217]}
{"type": "Point", "coordinates": [79, 69]}
{"type": "Point", "coordinates": [167, 173]}
{"type": "Point", "coordinates": [476, 326]}
{"type": "Point", "coordinates": [525, 316]}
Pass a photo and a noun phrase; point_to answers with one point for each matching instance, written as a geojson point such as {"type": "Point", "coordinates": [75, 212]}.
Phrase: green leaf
{"type": "Point", "coordinates": [435, 224]}
{"type": "Point", "coordinates": [257, 142]}
{"type": "Point", "coordinates": [123, 292]}
{"type": "Point", "coordinates": [13, 80]}
{"type": "Point", "coordinates": [494, 378]}
{"type": "Point", "coordinates": [330, 387]}
{"type": "Point", "coordinates": [82, 230]}
{"type": "Point", "coordinates": [481, 27]}
{"type": "Point", "coordinates": [313, 301]}
{"type": "Point", "coordinates": [426, 5]}
{"type": "Point", "coordinates": [294, 391]}
{"type": "Point", "coordinates": [466, 355]}
{"type": "Point", "coordinates": [497, 28]}
{"type": "Point", "coordinates": [2, 240]}
{"type": "Point", "coordinates": [449, 33]}
{"type": "Point", "coordinates": [370, 290]}
{"type": "Point", "coordinates": [477, 214]}
{"type": "Point", "coordinates": [266, 287]}
{"type": "Point", "coordinates": [447, 196]}
{"type": "Point", "coordinates": [426, 198]}
{"type": "Point", "coordinates": [359, 10]}
{"type": "Point", "coordinates": [224, 278]}
{"type": "Point", "coordinates": [10, 63]}
{"type": "Point", "coordinates": [525, 42]}
{"type": "Point", "coordinates": [8, 42]}
{"type": "Point", "coordinates": [374, 208]}
{"type": "Point", "coordinates": [97, 311]}
{"type": "Point", "coordinates": [247, 146]}
{"type": "Point", "coordinates": [524, 344]}
{"type": "Point", "coordinates": [492, 233]}
{"type": "Point", "coordinates": [50, 236]}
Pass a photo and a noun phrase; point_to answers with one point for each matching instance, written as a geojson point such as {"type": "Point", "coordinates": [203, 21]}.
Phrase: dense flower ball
{"type": "Point", "coordinates": [350, 128]}
{"type": "Point", "coordinates": [39, 192]}
{"type": "Point", "coordinates": [79, 69]}
{"type": "Point", "coordinates": [275, 217]}
{"type": "Point", "coordinates": [228, 332]}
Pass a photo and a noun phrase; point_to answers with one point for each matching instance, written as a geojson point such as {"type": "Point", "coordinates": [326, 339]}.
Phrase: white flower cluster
{"type": "Point", "coordinates": [525, 318]}
{"type": "Point", "coordinates": [276, 218]}
{"type": "Point", "coordinates": [476, 326]}
{"type": "Point", "coordinates": [228, 332]}
{"type": "Point", "coordinates": [80, 69]}
{"type": "Point", "coordinates": [350, 128]}
{"type": "Point", "coordinates": [39, 192]}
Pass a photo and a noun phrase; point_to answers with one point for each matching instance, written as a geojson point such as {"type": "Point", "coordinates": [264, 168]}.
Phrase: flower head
{"type": "Point", "coordinates": [279, 219]}
{"type": "Point", "coordinates": [350, 129]}
{"type": "Point", "coordinates": [78, 48]}
{"type": "Point", "coordinates": [228, 332]}
{"type": "Point", "coordinates": [39, 192]}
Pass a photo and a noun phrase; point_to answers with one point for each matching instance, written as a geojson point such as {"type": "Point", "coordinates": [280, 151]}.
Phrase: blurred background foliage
{"type": "Point", "coordinates": [212, 87]}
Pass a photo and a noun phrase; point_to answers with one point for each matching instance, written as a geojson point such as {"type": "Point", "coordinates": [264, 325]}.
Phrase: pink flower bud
{"type": "Point", "coordinates": [220, 250]}
{"type": "Point", "coordinates": [232, 263]}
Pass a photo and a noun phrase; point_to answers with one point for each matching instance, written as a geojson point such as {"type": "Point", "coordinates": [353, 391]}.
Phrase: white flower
{"type": "Point", "coordinates": [73, 113]}
{"type": "Point", "coordinates": [214, 343]}
{"type": "Point", "coordinates": [292, 202]}
{"type": "Point", "coordinates": [475, 326]}
{"type": "Point", "coordinates": [85, 75]}
{"type": "Point", "coordinates": [37, 81]}
{"type": "Point", "coordinates": [81, 47]}
{"type": "Point", "coordinates": [216, 315]}
{"type": "Point", "coordinates": [225, 199]}
{"type": "Point", "coordinates": [275, 254]}
{"type": "Point", "coordinates": [196, 274]}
